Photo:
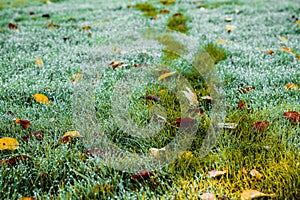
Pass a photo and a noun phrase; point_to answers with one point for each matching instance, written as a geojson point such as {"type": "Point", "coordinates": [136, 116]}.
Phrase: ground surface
{"type": "Point", "coordinates": [81, 36]}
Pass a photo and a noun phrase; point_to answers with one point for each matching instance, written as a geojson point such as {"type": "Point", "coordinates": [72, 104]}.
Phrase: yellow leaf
{"type": "Point", "coordinates": [72, 134]}
{"type": "Point", "coordinates": [156, 152]}
{"type": "Point", "coordinates": [287, 49]}
{"type": "Point", "coordinates": [8, 143]}
{"type": "Point", "coordinates": [269, 51]}
{"type": "Point", "coordinates": [298, 56]}
{"type": "Point", "coordinates": [48, 2]}
{"type": "Point", "coordinates": [291, 86]}
{"type": "Point", "coordinates": [221, 41]}
{"type": "Point", "coordinates": [165, 75]}
{"type": "Point", "coordinates": [39, 62]}
{"type": "Point", "coordinates": [78, 75]}
{"type": "Point", "coordinates": [230, 28]}
{"type": "Point", "coordinates": [40, 98]}
{"type": "Point", "coordinates": [283, 39]}
{"type": "Point", "coordinates": [255, 174]}
{"type": "Point", "coordinates": [251, 194]}
{"type": "Point", "coordinates": [298, 21]}
{"type": "Point", "coordinates": [215, 173]}
{"type": "Point", "coordinates": [86, 28]}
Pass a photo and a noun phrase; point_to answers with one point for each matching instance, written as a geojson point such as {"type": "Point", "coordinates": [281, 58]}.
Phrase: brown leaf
{"type": "Point", "coordinates": [246, 89]}
{"type": "Point", "coordinates": [208, 196]}
{"type": "Point", "coordinates": [260, 126]}
{"type": "Point", "coordinates": [251, 194]}
{"type": "Point", "coordinates": [207, 98]}
{"type": "Point", "coordinates": [185, 122]}
{"type": "Point", "coordinates": [23, 122]}
{"type": "Point", "coordinates": [12, 26]}
{"type": "Point", "coordinates": [115, 64]}
{"type": "Point", "coordinates": [287, 49]}
{"type": "Point", "coordinates": [241, 105]}
{"type": "Point", "coordinates": [293, 116]}
{"type": "Point", "coordinates": [86, 28]}
{"type": "Point", "coordinates": [36, 134]}
{"type": "Point", "coordinates": [14, 160]}
{"type": "Point", "coordinates": [164, 11]}
{"type": "Point", "coordinates": [142, 175]}
{"type": "Point", "coordinates": [269, 51]}
{"type": "Point", "coordinates": [31, 13]}
{"type": "Point", "coordinates": [151, 97]}
{"type": "Point", "coordinates": [46, 15]}
{"type": "Point", "coordinates": [215, 173]}
{"type": "Point", "coordinates": [230, 28]}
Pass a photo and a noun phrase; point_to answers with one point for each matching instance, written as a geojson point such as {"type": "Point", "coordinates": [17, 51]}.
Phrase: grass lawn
{"type": "Point", "coordinates": [106, 70]}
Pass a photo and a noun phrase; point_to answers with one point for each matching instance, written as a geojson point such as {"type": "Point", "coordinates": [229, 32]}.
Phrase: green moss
{"type": "Point", "coordinates": [148, 9]}
{"type": "Point", "coordinates": [178, 23]}
{"type": "Point", "coordinates": [167, 2]}
{"type": "Point", "coordinates": [217, 53]}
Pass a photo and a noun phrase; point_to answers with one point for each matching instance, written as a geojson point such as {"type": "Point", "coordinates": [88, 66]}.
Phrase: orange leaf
{"type": "Point", "coordinates": [39, 62]}
{"type": "Point", "coordinates": [283, 39]}
{"type": "Point", "coordinates": [291, 86]}
{"type": "Point", "coordinates": [23, 122]}
{"type": "Point", "coordinates": [86, 28]}
{"type": "Point", "coordinates": [221, 41]}
{"type": "Point", "coordinates": [293, 116]}
{"type": "Point", "coordinates": [241, 105]}
{"type": "Point", "coordinates": [251, 194]}
{"type": "Point", "coordinates": [12, 26]}
{"type": "Point", "coordinates": [72, 134]}
{"type": "Point", "coordinates": [8, 143]}
{"type": "Point", "coordinates": [260, 126]}
{"type": "Point", "coordinates": [215, 173]}
{"type": "Point", "coordinates": [287, 49]}
{"type": "Point", "coordinates": [40, 98]}
{"type": "Point", "coordinates": [269, 51]}
{"type": "Point", "coordinates": [164, 11]}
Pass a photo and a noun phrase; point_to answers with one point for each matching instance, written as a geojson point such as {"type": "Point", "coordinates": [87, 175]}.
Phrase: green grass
{"type": "Point", "coordinates": [66, 172]}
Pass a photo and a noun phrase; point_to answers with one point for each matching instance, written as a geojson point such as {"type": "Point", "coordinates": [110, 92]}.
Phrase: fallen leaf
{"type": "Point", "coordinates": [293, 116]}
{"type": "Point", "coordinates": [39, 62]}
{"type": "Point", "coordinates": [36, 134]}
{"type": "Point", "coordinates": [246, 89]}
{"type": "Point", "coordinates": [142, 175]}
{"type": "Point", "coordinates": [8, 143]}
{"type": "Point", "coordinates": [195, 111]}
{"type": "Point", "coordinates": [164, 11]}
{"type": "Point", "coordinates": [291, 86]}
{"type": "Point", "coordinates": [185, 122]}
{"type": "Point", "coordinates": [164, 71]}
{"type": "Point", "coordinates": [251, 194]}
{"type": "Point", "coordinates": [220, 41]}
{"type": "Point", "coordinates": [27, 198]}
{"type": "Point", "coordinates": [78, 75]}
{"type": "Point", "coordinates": [151, 97]}
{"type": "Point", "coordinates": [14, 160]}
{"type": "Point", "coordinates": [283, 39]}
{"type": "Point", "coordinates": [46, 15]}
{"type": "Point", "coordinates": [157, 152]}
{"type": "Point", "coordinates": [207, 98]}
{"type": "Point", "coordinates": [230, 28]}
{"type": "Point", "coordinates": [260, 126]}
{"type": "Point", "coordinates": [228, 19]}
{"type": "Point", "coordinates": [298, 21]}
{"type": "Point", "coordinates": [72, 134]}
{"type": "Point", "coordinates": [215, 173]}
{"type": "Point", "coordinates": [41, 98]}
{"type": "Point", "coordinates": [115, 64]}
{"type": "Point", "coordinates": [227, 125]}
{"type": "Point", "coordinates": [241, 105]}
{"type": "Point", "coordinates": [86, 28]}
{"type": "Point", "coordinates": [191, 96]}
{"type": "Point", "coordinates": [23, 122]}
{"type": "Point", "coordinates": [255, 174]}
{"type": "Point", "coordinates": [31, 13]}
{"type": "Point", "coordinates": [163, 76]}
{"type": "Point", "coordinates": [287, 49]}
{"type": "Point", "coordinates": [12, 26]}
{"type": "Point", "coordinates": [208, 196]}
{"type": "Point", "coordinates": [298, 56]}
{"type": "Point", "coordinates": [269, 51]}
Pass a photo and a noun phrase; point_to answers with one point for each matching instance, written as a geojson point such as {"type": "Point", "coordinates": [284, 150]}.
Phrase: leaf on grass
{"type": "Point", "coordinates": [164, 11]}
{"type": "Point", "coordinates": [291, 86]}
{"type": "Point", "coordinates": [12, 26]}
{"type": "Point", "coordinates": [41, 98]}
{"type": "Point", "coordinates": [86, 28]}
{"type": "Point", "coordinates": [293, 116]}
{"type": "Point", "coordinates": [227, 125]}
{"type": "Point", "coordinates": [73, 134]}
{"type": "Point", "coordinates": [151, 97]}
{"type": "Point", "coordinates": [28, 198]}
{"type": "Point", "coordinates": [255, 174]}
{"type": "Point", "coordinates": [14, 160]}
{"type": "Point", "coordinates": [220, 41]}
{"type": "Point", "coordinates": [246, 89]}
{"type": "Point", "coordinates": [161, 77]}
{"type": "Point", "coordinates": [241, 105]}
{"type": "Point", "coordinates": [46, 16]}
{"type": "Point", "coordinates": [230, 28]}
{"type": "Point", "coordinates": [215, 173]}
{"type": "Point", "coordinates": [260, 126]}
{"type": "Point", "coordinates": [36, 134]}
{"type": "Point", "coordinates": [116, 64]}
{"type": "Point", "coordinates": [67, 137]}
{"type": "Point", "coordinates": [269, 51]}
{"type": "Point", "coordinates": [208, 196]}
{"type": "Point", "coordinates": [8, 144]}
{"type": "Point", "coordinates": [185, 122]}
{"type": "Point", "coordinates": [39, 62]}
{"type": "Point", "coordinates": [207, 98]}
{"type": "Point", "coordinates": [298, 21]}
{"type": "Point", "coordinates": [23, 122]}
{"type": "Point", "coordinates": [251, 194]}
{"type": "Point", "coordinates": [228, 19]}
{"type": "Point", "coordinates": [191, 96]}
{"type": "Point", "coordinates": [287, 49]}
{"type": "Point", "coordinates": [195, 111]}
{"type": "Point", "coordinates": [167, 2]}
{"type": "Point", "coordinates": [157, 152]}
{"type": "Point", "coordinates": [283, 39]}
{"type": "Point", "coordinates": [76, 76]}
{"type": "Point", "coordinates": [142, 175]}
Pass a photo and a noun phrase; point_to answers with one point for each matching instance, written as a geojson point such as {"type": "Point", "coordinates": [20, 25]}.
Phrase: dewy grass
{"type": "Point", "coordinates": [217, 53]}
{"type": "Point", "coordinates": [214, 5]}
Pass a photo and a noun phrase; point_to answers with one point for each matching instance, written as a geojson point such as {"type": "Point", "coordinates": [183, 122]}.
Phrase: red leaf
{"type": "Point", "coordinates": [14, 160]}
{"type": "Point", "coordinates": [293, 116]}
{"type": "Point", "coordinates": [185, 121]}
{"type": "Point", "coordinates": [241, 105]}
{"type": "Point", "coordinates": [12, 26]}
{"type": "Point", "coordinates": [23, 122]}
{"type": "Point", "coordinates": [151, 97]}
{"type": "Point", "coordinates": [260, 126]}
{"type": "Point", "coordinates": [142, 175]}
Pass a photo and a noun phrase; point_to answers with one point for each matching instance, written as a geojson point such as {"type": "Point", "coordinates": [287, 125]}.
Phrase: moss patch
{"type": "Point", "coordinates": [148, 9]}
{"type": "Point", "coordinates": [178, 23]}
{"type": "Point", "coordinates": [217, 53]}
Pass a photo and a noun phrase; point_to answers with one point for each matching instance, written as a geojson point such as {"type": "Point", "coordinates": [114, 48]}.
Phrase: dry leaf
{"type": "Point", "coordinates": [207, 98]}
{"type": "Point", "coordinates": [291, 86]}
{"type": "Point", "coordinates": [12, 26]}
{"type": "Point", "coordinates": [251, 194]}
{"type": "Point", "coordinates": [166, 75]}
{"type": "Point", "coordinates": [142, 175]}
{"type": "Point", "coordinates": [241, 105]}
{"type": "Point", "coordinates": [269, 51]}
{"type": "Point", "coordinates": [228, 19]}
{"type": "Point", "coordinates": [37, 135]}
{"type": "Point", "coordinates": [167, 2]}
{"type": "Point", "coordinates": [208, 196]}
{"type": "Point", "coordinates": [72, 134]}
{"type": "Point", "coordinates": [220, 41]}
{"type": "Point", "coordinates": [191, 96]}
{"type": "Point", "coordinates": [40, 98]}
{"type": "Point", "coordinates": [230, 28]}
{"type": "Point", "coordinates": [8, 143]}
{"type": "Point", "coordinates": [293, 116]}
{"type": "Point", "coordinates": [283, 39]}
{"type": "Point", "coordinates": [215, 173]}
{"type": "Point", "coordinates": [151, 97]}
{"type": "Point", "coordinates": [86, 28]}
{"type": "Point", "coordinates": [227, 125]}
{"type": "Point", "coordinates": [115, 64]}
{"type": "Point", "coordinates": [195, 111]}
{"type": "Point", "coordinates": [157, 152]}
{"type": "Point", "coordinates": [260, 126]}
{"type": "Point", "coordinates": [180, 122]}
{"type": "Point", "coordinates": [23, 122]}
{"type": "Point", "coordinates": [39, 62]}
{"type": "Point", "coordinates": [246, 89]}
{"type": "Point", "coordinates": [298, 56]}
{"type": "Point", "coordinates": [287, 49]}
{"type": "Point", "coordinates": [298, 21]}
{"type": "Point", "coordinates": [46, 16]}
{"type": "Point", "coordinates": [255, 174]}
{"type": "Point", "coordinates": [164, 11]}
{"type": "Point", "coordinates": [14, 160]}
